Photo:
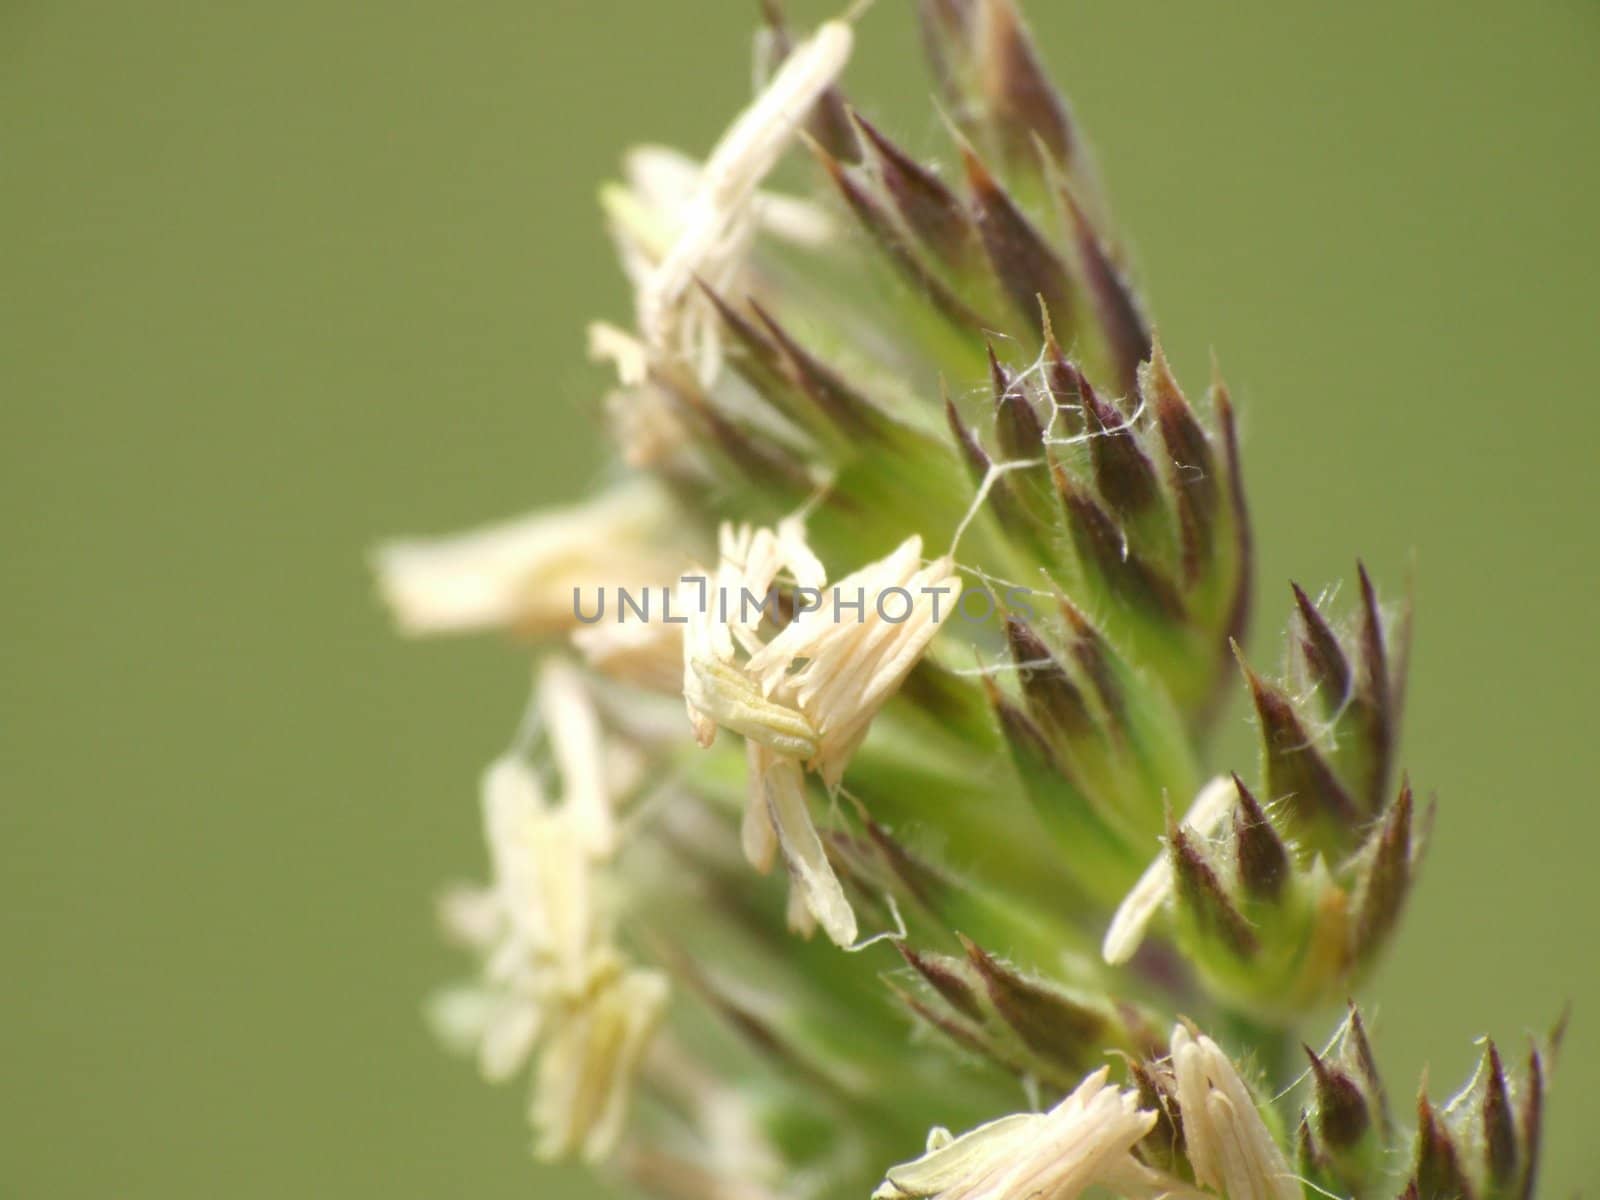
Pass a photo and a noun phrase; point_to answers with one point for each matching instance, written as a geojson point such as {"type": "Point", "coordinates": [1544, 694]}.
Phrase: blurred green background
{"type": "Point", "coordinates": [281, 277]}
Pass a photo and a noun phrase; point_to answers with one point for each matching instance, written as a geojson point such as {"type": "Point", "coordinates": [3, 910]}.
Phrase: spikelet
{"type": "Point", "coordinates": [928, 579]}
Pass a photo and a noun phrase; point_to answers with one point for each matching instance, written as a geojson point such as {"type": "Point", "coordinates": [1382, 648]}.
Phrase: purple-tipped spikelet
{"type": "Point", "coordinates": [866, 789]}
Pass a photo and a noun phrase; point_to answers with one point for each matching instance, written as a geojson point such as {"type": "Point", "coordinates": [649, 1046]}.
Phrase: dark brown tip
{"type": "Point", "coordinates": [1029, 746]}
{"type": "Point", "coordinates": [1499, 1124]}
{"type": "Point", "coordinates": [1165, 1139]}
{"type": "Point", "coordinates": [1307, 1152]}
{"type": "Point", "coordinates": [1017, 425]}
{"type": "Point", "coordinates": [999, 377]}
{"type": "Point", "coordinates": [1053, 698]}
{"type": "Point", "coordinates": [1201, 894]}
{"type": "Point", "coordinates": [1023, 103]}
{"type": "Point", "coordinates": [1065, 383]}
{"type": "Point", "coordinates": [1295, 769]}
{"type": "Point", "coordinates": [852, 412]}
{"type": "Point", "coordinates": [926, 883]}
{"type": "Point", "coordinates": [1386, 877]}
{"type": "Point", "coordinates": [933, 213]}
{"type": "Point", "coordinates": [875, 220]}
{"type": "Point", "coordinates": [946, 978]}
{"type": "Point", "coordinates": [1438, 1170]}
{"type": "Point", "coordinates": [1262, 857]}
{"type": "Point", "coordinates": [1103, 548]}
{"type": "Point", "coordinates": [1342, 1117]}
{"type": "Point", "coordinates": [1051, 1023]}
{"type": "Point", "coordinates": [754, 355]}
{"type": "Point", "coordinates": [1372, 681]}
{"type": "Point", "coordinates": [1319, 648]}
{"type": "Point", "coordinates": [1093, 657]}
{"type": "Point", "coordinates": [972, 451]}
{"type": "Point", "coordinates": [1023, 261]}
{"type": "Point", "coordinates": [1123, 473]}
{"type": "Point", "coordinates": [1222, 407]}
{"type": "Point", "coordinates": [1366, 1062]}
{"type": "Point", "coordinates": [1192, 465]}
{"type": "Point", "coordinates": [1532, 1121]}
{"type": "Point", "coordinates": [1122, 321]}
{"type": "Point", "coordinates": [961, 1032]}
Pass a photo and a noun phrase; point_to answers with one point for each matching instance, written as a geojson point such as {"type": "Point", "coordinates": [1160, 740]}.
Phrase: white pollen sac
{"type": "Point", "coordinates": [576, 741]}
{"type": "Point", "coordinates": [804, 699]}
{"type": "Point", "coordinates": [720, 217]}
{"type": "Point", "coordinates": [584, 1080]}
{"type": "Point", "coordinates": [522, 575]}
{"type": "Point", "coordinates": [1229, 1145]}
{"type": "Point", "coordinates": [1084, 1142]}
{"type": "Point", "coordinates": [852, 666]}
{"type": "Point", "coordinates": [803, 854]}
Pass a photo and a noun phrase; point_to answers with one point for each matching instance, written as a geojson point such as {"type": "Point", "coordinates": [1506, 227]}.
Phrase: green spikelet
{"type": "Point", "coordinates": [868, 788]}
